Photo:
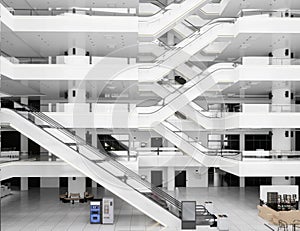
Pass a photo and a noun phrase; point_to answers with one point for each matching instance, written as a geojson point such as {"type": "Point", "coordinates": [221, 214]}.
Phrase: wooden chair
{"type": "Point", "coordinates": [282, 225]}
{"type": "Point", "coordinates": [295, 225]}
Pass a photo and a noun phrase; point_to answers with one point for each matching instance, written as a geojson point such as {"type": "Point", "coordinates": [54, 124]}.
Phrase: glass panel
{"type": "Point", "coordinates": [188, 210]}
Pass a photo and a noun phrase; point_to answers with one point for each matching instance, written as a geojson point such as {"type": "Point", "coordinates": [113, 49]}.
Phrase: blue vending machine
{"type": "Point", "coordinates": [95, 212]}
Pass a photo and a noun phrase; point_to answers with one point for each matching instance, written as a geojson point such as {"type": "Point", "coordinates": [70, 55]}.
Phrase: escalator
{"type": "Point", "coordinates": [109, 143]}
{"type": "Point", "coordinates": [207, 157]}
{"type": "Point", "coordinates": [96, 165]}
{"type": "Point", "coordinates": [112, 146]}
{"type": "Point", "coordinates": [204, 118]}
{"type": "Point", "coordinates": [154, 26]}
{"type": "Point", "coordinates": [216, 29]}
{"type": "Point", "coordinates": [221, 76]}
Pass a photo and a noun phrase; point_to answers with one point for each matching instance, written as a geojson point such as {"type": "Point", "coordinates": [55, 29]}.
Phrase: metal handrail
{"type": "Point", "coordinates": [208, 153]}
{"type": "Point", "coordinates": [202, 79]}
{"type": "Point", "coordinates": [110, 159]}
{"type": "Point", "coordinates": [196, 34]}
{"type": "Point", "coordinates": [244, 12]}
{"type": "Point", "coordinates": [79, 141]}
{"type": "Point", "coordinates": [59, 11]}
{"type": "Point", "coordinates": [162, 6]}
{"type": "Point", "coordinates": [198, 111]}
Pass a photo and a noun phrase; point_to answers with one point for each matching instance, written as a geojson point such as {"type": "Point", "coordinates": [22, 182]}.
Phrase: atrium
{"type": "Point", "coordinates": [159, 115]}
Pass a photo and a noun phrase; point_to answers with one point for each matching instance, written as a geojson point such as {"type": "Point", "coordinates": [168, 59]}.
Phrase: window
{"type": "Point", "coordinates": [254, 142]}
{"type": "Point", "coordinates": [231, 142]}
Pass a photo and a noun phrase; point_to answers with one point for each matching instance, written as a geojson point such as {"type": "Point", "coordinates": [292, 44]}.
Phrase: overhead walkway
{"type": "Point", "coordinates": [94, 164]}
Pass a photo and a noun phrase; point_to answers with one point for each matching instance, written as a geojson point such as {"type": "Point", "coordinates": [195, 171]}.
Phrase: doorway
{"type": "Point", "coordinates": [157, 178]}
{"type": "Point", "coordinates": [297, 141]}
{"type": "Point", "coordinates": [180, 179]}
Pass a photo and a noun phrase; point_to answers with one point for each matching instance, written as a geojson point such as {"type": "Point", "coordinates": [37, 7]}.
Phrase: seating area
{"type": "Point", "coordinates": [283, 219]}
{"type": "Point", "coordinates": [5, 190]}
{"type": "Point", "coordinates": [75, 197]}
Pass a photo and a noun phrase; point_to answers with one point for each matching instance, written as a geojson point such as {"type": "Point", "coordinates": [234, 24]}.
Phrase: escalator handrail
{"type": "Point", "coordinates": [200, 112]}
{"type": "Point", "coordinates": [120, 167]}
{"type": "Point", "coordinates": [163, 9]}
{"type": "Point", "coordinates": [219, 21]}
{"type": "Point", "coordinates": [202, 79]}
{"type": "Point", "coordinates": [115, 163]}
{"type": "Point", "coordinates": [237, 152]}
{"type": "Point", "coordinates": [18, 113]}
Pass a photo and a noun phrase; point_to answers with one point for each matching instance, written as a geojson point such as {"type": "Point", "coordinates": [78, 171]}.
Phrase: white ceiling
{"type": "Point", "coordinates": [256, 88]}
{"type": "Point", "coordinates": [45, 4]}
{"type": "Point", "coordinates": [54, 90]}
{"type": "Point", "coordinates": [259, 45]}
{"type": "Point", "coordinates": [36, 44]}
{"type": "Point", "coordinates": [234, 6]}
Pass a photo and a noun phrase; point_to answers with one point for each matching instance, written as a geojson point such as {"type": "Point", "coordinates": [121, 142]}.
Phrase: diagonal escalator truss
{"type": "Point", "coordinates": [99, 166]}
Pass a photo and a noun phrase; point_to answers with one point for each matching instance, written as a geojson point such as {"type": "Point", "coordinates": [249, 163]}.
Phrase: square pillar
{"type": "Point", "coordinates": [171, 179]}
{"type": "Point", "coordinates": [24, 184]}
{"type": "Point", "coordinates": [24, 145]}
{"type": "Point", "coordinates": [94, 184]}
{"type": "Point", "coordinates": [242, 182]}
{"type": "Point", "coordinates": [217, 181]}
{"type": "Point", "coordinates": [77, 185]}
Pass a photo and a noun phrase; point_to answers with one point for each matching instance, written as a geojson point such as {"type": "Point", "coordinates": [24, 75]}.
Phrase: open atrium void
{"type": "Point", "coordinates": [150, 115]}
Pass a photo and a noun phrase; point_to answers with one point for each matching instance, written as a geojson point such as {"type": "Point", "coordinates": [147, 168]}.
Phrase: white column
{"type": "Point", "coordinates": [77, 185]}
{"type": "Point", "coordinates": [76, 92]}
{"type": "Point", "coordinates": [171, 179]}
{"type": "Point", "coordinates": [281, 101]}
{"type": "Point", "coordinates": [94, 137]}
{"type": "Point", "coordinates": [217, 182]}
{"type": "Point", "coordinates": [24, 144]}
{"type": "Point", "coordinates": [94, 184]}
{"type": "Point", "coordinates": [242, 142]}
{"type": "Point", "coordinates": [49, 182]}
{"type": "Point", "coordinates": [24, 184]}
{"type": "Point", "coordinates": [78, 51]}
{"type": "Point", "coordinates": [24, 139]}
{"type": "Point", "coordinates": [242, 182]}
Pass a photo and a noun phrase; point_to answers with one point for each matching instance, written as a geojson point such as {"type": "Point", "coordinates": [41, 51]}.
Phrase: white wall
{"type": "Point", "coordinates": [197, 179]}
{"type": "Point", "coordinates": [70, 23]}
{"type": "Point", "coordinates": [193, 179]}
{"type": "Point", "coordinates": [99, 71]}
{"type": "Point", "coordinates": [49, 182]}
{"type": "Point", "coordinates": [77, 185]}
{"type": "Point", "coordinates": [282, 181]}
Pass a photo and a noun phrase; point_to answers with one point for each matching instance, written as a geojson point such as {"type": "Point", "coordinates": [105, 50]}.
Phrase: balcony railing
{"type": "Point", "coordinates": [283, 61]}
{"type": "Point", "coordinates": [78, 11]}
{"type": "Point", "coordinates": [284, 108]}
{"type": "Point", "coordinates": [270, 13]}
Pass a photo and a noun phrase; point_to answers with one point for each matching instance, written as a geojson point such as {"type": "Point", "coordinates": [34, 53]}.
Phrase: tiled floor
{"type": "Point", "coordinates": [40, 209]}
